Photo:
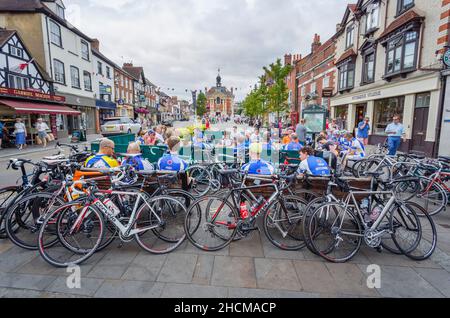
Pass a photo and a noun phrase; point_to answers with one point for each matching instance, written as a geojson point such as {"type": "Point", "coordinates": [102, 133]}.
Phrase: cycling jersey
{"type": "Point", "coordinates": [101, 162]}
{"type": "Point", "coordinates": [293, 146]}
{"type": "Point", "coordinates": [259, 167]}
{"type": "Point", "coordinates": [357, 147]}
{"type": "Point", "coordinates": [171, 162]}
{"type": "Point", "coordinates": [139, 163]}
{"type": "Point", "coordinates": [314, 166]}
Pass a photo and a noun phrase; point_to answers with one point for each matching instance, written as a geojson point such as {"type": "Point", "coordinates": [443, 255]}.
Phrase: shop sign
{"type": "Point", "coordinates": [105, 90]}
{"type": "Point", "coordinates": [31, 94]}
{"type": "Point", "coordinates": [367, 95]}
{"type": "Point", "coordinates": [327, 93]}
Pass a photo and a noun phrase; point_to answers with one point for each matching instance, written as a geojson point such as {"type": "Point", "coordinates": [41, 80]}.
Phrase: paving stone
{"type": "Point", "coordinates": [191, 249]}
{"type": "Point", "coordinates": [234, 272]}
{"type": "Point", "coordinates": [248, 247]}
{"type": "Point", "coordinates": [19, 293]}
{"type": "Point", "coordinates": [291, 294]}
{"type": "Point", "coordinates": [129, 289]}
{"type": "Point", "coordinates": [276, 274]}
{"type": "Point", "coordinates": [403, 282]}
{"type": "Point", "coordinates": [315, 277]}
{"type": "Point", "coordinates": [107, 271]}
{"type": "Point", "coordinates": [25, 281]}
{"type": "Point", "coordinates": [271, 251]}
{"type": "Point", "coordinates": [350, 279]}
{"type": "Point", "coordinates": [389, 259]}
{"type": "Point", "coordinates": [203, 270]}
{"type": "Point", "coordinates": [145, 267]}
{"type": "Point", "coordinates": [88, 286]}
{"type": "Point", "coordinates": [15, 257]}
{"type": "Point", "coordinates": [119, 257]}
{"type": "Point", "coordinates": [5, 245]}
{"type": "Point", "coordinates": [178, 268]}
{"type": "Point", "coordinates": [248, 293]}
{"type": "Point", "coordinates": [438, 278]}
{"type": "Point", "coordinates": [172, 290]}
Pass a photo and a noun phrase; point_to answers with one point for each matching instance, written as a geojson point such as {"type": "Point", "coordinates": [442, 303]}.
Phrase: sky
{"type": "Point", "coordinates": [182, 43]}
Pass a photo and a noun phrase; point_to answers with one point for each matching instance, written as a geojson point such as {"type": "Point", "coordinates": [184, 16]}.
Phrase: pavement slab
{"type": "Point", "coordinates": [234, 272]}
{"type": "Point", "coordinates": [129, 289]}
{"type": "Point", "coordinates": [172, 290]}
{"type": "Point", "coordinates": [178, 268]}
{"type": "Point", "coordinates": [276, 274]}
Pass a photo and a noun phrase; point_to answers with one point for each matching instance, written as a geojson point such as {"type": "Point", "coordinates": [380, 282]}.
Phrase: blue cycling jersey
{"type": "Point", "coordinates": [170, 162]}
{"type": "Point", "coordinates": [293, 146]}
{"type": "Point", "coordinates": [315, 166]}
{"type": "Point", "coordinates": [259, 167]}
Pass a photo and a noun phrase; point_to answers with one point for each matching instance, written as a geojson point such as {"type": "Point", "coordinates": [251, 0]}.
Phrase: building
{"type": "Point", "coordinates": [124, 92]}
{"type": "Point", "coordinates": [139, 98]}
{"type": "Point", "coordinates": [220, 100]}
{"type": "Point", "coordinates": [63, 51]}
{"type": "Point", "coordinates": [389, 62]}
{"type": "Point", "coordinates": [292, 84]}
{"type": "Point", "coordinates": [26, 90]}
{"type": "Point", "coordinates": [150, 100]}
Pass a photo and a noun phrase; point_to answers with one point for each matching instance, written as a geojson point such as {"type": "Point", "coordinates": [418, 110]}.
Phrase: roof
{"type": "Point", "coordinates": [346, 55]}
{"type": "Point", "coordinates": [134, 71]}
{"type": "Point", "coordinates": [103, 57]}
{"type": "Point", "coordinates": [38, 6]}
{"type": "Point", "coordinates": [408, 16]}
{"type": "Point", "coordinates": [221, 89]}
{"type": "Point", "coordinates": [5, 35]}
{"type": "Point", "coordinates": [350, 8]}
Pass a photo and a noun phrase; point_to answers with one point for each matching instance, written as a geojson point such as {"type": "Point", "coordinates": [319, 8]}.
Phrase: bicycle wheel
{"type": "Point", "coordinates": [79, 229]}
{"type": "Point", "coordinates": [283, 223]}
{"type": "Point", "coordinates": [211, 223]}
{"type": "Point", "coordinates": [372, 166]}
{"type": "Point", "coordinates": [340, 232]}
{"type": "Point", "coordinates": [25, 217]}
{"type": "Point", "coordinates": [7, 196]}
{"type": "Point", "coordinates": [311, 230]}
{"type": "Point", "coordinates": [160, 222]}
{"type": "Point", "coordinates": [424, 242]}
{"type": "Point", "coordinates": [201, 180]}
{"type": "Point", "coordinates": [431, 196]}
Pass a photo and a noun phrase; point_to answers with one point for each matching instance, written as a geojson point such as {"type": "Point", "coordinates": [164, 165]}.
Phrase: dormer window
{"type": "Point", "coordinates": [372, 17]}
{"type": "Point", "coordinates": [404, 5]}
{"type": "Point", "coordinates": [349, 40]}
{"type": "Point", "coordinates": [60, 11]}
{"type": "Point", "coordinates": [15, 51]}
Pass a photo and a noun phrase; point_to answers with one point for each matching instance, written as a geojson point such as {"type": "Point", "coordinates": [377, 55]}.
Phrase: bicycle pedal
{"type": "Point", "coordinates": [379, 249]}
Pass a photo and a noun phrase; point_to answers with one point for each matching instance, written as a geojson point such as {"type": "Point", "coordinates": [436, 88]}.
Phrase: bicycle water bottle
{"type": "Point", "coordinates": [111, 206]}
{"type": "Point", "coordinates": [244, 211]}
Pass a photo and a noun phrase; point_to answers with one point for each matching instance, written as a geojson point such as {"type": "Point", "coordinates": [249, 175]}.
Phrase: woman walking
{"type": "Point", "coordinates": [21, 133]}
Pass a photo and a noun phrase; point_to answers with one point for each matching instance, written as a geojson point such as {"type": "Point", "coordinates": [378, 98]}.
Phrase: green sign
{"type": "Point", "coordinates": [446, 58]}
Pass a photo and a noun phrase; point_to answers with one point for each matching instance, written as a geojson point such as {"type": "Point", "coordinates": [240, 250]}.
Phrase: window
{"type": "Point", "coordinates": [87, 81]}
{"type": "Point", "coordinates": [60, 74]}
{"type": "Point", "coordinates": [341, 114]}
{"type": "Point", "coordinates": [402, 53]}
{"type": "Point", "coordinates": [60, 12]}
{"type": "Point", "coordinates": [346, 76]}
{"type": "Point", "coordinates": [15, 51]}
{"type": "Point", "coordinates": [372, 17]}
{"type": "Point", "coordinates": [385, 109]}
{"type": "Point", "coordinates": [313, 87]}
{"type": "Point", "coordinates": [55, 34]}
{"type": "Point", "coordinates": [350, 36]}
{"type": "Point", "coordinates": [75, 77]}
{"type": "Point", "coordinates": [100, 68]}
{"type": "Point", "coordinates": [108, 72]}
{"type": "Point", "coordinates": [423, 100]}
{"type": "Point", "coordinates": [326, 81]}
{"type": "Point", "coordinates": [85, 50]}
{"type": "Point", "coordinates": [404, 5]}
{"type": "Point", "coordinates": [303, 92]}
{"type": "Point", "coordinates": [368, 75]}
{"type": "Point", "coordinates": [18, 82]}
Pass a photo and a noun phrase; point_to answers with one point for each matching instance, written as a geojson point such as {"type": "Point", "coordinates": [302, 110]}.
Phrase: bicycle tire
{"type": "Point", "coordinates": [7, 196]}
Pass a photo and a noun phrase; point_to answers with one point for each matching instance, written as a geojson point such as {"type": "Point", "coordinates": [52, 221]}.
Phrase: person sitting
{"type": "Point", "coordinates": [311, 165]}
{"type": "Point", "coordinates": [326, 145]}
{"type": "Point", "coordinates": [150, 138]}
{"type": "Point", "coordinates": [287, 137]}
{"type": "Point", "coordinates": [199, 143]}
{"type": "Point", "coordinates": [226, 141]}
{"type": "Point", "coordinates": [256, 136]}
{"type": "Point", "coordinates": [294, 145]}
{"type": "Point", "coordinates": [104, 158]}
{"type": "Point", "coordinates": [353, 148]}
{"type": "Point", "coordinates": [256, 165]}
{"type": "Point", "coordinates": [171, 161]}
{"type": "Point", "coordinates": [141, 137]}
{"type": "Point", "coordinates": [134, 158]}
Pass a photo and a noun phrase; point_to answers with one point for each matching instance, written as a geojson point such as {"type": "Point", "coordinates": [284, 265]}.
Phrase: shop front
{"type": "Point", "coordinates": [415, 100]}
{"type": "Point", "coordinates": [105, 109]}
{"type": "Point", "coordinates": [88, 119]}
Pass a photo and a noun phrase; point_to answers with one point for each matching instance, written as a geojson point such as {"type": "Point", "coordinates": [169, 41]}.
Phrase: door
{"type": "Point", "coordinates": [359, 116]}
{"type": "Point", "coordinates": [420, 124]}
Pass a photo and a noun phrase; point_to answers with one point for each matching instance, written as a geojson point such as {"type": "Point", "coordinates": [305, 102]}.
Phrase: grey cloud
{"type": "Point", "coordinates": [181, 43]}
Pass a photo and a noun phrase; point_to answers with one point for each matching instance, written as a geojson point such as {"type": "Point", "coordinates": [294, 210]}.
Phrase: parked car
{"type": "Point", "coordinates": [120, 125]}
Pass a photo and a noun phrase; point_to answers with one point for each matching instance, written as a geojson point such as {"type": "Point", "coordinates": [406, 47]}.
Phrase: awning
{"type": "Point", "coordinates": [24, 107]}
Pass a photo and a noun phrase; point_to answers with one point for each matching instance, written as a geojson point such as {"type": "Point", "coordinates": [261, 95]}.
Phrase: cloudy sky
{"type": "Point", "coordinates": [182, 43]}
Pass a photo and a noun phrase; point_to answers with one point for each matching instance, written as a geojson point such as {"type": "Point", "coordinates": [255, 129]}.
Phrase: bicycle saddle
{"type": "Point", "coordinates": [228, 172]}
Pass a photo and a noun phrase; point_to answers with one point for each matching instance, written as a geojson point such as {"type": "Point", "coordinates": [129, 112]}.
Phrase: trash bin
{"type": "Point", "coordinates": [78, 136]}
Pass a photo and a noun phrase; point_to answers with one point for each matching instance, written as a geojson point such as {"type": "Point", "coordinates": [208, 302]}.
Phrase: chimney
{"type": "Point", "coordinates": [338, 27]}
{"type": "Point", "coordinates": [316, 43]}
{"type": "Point", "coordinates": [95, 44]}
{"type": "Point", "coordinates": [232, 91]}
{"type": "Point", "coordinates": [128, 64]}
{"type": "Point", "coordinates": [288, 59]}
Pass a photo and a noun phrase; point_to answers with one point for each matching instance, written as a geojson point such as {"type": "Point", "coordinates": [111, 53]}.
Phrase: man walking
{"type": "Point", "coordinates": [301, 132]}
{"type": "Point", "coordinates": [395, 131]}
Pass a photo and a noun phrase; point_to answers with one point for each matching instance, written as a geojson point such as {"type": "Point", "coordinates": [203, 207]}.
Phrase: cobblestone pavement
{"type": "Point", "coordinates": [251, 268]}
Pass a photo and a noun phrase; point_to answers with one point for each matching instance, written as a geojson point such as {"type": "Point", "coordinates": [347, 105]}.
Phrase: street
{"type": "Point", "coordinates": [250, 268]}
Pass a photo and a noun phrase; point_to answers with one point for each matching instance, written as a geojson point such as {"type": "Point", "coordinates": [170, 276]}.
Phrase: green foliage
{"type": "Point", "coordinates": [201, 104]}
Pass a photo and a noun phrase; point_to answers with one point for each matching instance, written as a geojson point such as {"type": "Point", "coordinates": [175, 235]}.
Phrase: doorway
{"type": "Point", "coordinates": [361, 110]}
{"type": "Point", "coordinates": [419, 132]}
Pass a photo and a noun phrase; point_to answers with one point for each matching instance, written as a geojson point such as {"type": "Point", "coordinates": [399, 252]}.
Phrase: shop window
{"type": "Point", "coordinates": [341, 114]}
{"type": "Point", "coordinates": [385, 109]}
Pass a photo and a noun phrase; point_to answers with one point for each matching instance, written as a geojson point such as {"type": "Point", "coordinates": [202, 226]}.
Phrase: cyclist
{"type": "Point", "coordinates": [353, 148]}
{"type": "Point", "coordinates": [170, 161]}
{"type": "Point", "coordinates": [134, 158]}
{"type": "Point", "coordinates": [104, 158]}
{"type": "Point", "coordinates": [311, 165]}
{"type": "Point", "coordinates": [294, 145]}
{"type": "Point", "coordinates": [256, 165]}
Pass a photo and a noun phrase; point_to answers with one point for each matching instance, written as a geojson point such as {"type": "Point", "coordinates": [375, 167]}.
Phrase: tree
{"type": "Point", "coordinates": [201, 104]}
{"type": "Point", "coordinates": [278, 93]}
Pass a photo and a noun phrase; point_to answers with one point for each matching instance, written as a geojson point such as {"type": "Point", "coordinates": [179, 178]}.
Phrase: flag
{"type": "Point", "coordinates": [22, 66]}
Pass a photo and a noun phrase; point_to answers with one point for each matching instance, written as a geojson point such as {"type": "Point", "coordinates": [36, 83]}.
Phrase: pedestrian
{"type": "Point", "coordinates": [396, 132]}
{"type": "Point", "coordinates": [301, 132]}
{"type": "Point", "coordinates": [41, 128]}
{"type": "Point", "coordinates": [20, 131]}
{"type": "Point", "coordinates": [363, 131]}
{"type": "Point", "coordinates": [208, 125]}
{"type": "Point", "coordinates": [1, 134]}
